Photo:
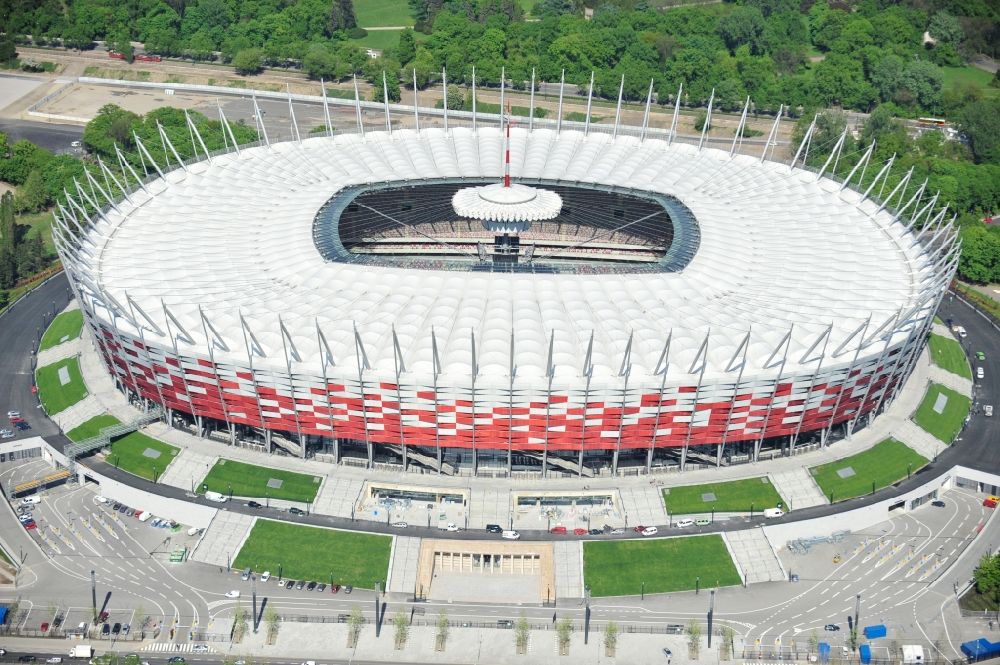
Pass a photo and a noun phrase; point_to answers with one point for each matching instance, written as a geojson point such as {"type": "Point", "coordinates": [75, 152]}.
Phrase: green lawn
{"type": "Point", "coordinates": [384, 39]}
{"type": "Point", "coordinates": [63, 328]}
{"type": "Point", "coordinates": [884, 464]}
{"type": "Point", "coordinates": [382, 13]}
{"type": "Point", "coordinates": [250, 480]}
{"type": "Point", "coordinates": [619, 568]}
{"type": "Point", "coordinates": [947, 354]}
{"type": "Point", "coordinates": [92, 427]}
{"type": "Point", "coordinates": [946, 425]}
{"type": "Point", "coordinates": [580, 116]}
{"type": "Point", "coordinates": [313, 553]}
{"type": "Point", "coordinates": [952, 77]}
{"type": "Point", "coordinates": [5, 558]}
{"type": "Point", "coordinates": [55, 396]}
{"type": "Point", "coordinates": [737, 496]}
{"type": "Point", "coordinates": [129, 454]}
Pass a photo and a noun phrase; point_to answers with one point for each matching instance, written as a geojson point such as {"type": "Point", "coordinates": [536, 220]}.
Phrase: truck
{"type": "Point", "coordinates": [913, 654]}
{"type": "Point", "coordinates": [215, 496]}
{"type": "Point", "coordinates": [773, 513]}
{"type": "Point", "coordinates": [82, 651]}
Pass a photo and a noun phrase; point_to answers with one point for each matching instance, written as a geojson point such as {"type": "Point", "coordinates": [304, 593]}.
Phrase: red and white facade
{"type": "Point", "coordinates": [805, 308]}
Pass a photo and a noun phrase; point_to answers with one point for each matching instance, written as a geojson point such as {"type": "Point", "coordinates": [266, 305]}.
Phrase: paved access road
{"type": "Point", "coordinates": [56, 138]}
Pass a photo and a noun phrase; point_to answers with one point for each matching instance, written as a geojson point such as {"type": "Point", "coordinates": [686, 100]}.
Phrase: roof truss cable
{"type": "Point", "coordinates": [804, 145]}
{"type": "Point", "coordinates": [645, 113]}
{"type": "Point", "coordinates": [834, 155]}
{"type": "Point", "coordinates": [167, 142]}
{"type": "Point", "coordinates": [194, 131]}
{"type": "Point", "coordinates": [708, 120]}
{"type": "Point", "coordinates": [863, 162]}
{"type": "Point", "coordinates": [772, 136]}
{"type": "Point", "coordinates": [226, 129]}
{"type": "Point", "coordinates": [676, 115]}
{"type": "Point", "coordinates": [738, 138]}
{"type": "Point", "coordinates": [145, 153]}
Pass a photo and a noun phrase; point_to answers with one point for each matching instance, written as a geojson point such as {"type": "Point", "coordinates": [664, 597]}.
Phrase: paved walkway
{"type": "Point", "coordinates": [403, 565]}
{"type": "Point", "coordinates": [950, 380]}
{"type": "Point", "coordinates": [920, 440]}
{"type": "Point", "coordinates": [223, 538]}
{"type": "Point", "coordinates": [754, 556]}
{"type": "Point", "coordinates": [797, 488]}
{"type": "Point", "coordinates": [567, 557]}
{"type": "Point", "coordinates": [188, 468]}
{"type": "Point", "coordinates": [56, 353]}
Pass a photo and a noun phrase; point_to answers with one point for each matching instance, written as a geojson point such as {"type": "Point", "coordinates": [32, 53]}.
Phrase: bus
{"type": "Point", "coordinates": [932, 122]}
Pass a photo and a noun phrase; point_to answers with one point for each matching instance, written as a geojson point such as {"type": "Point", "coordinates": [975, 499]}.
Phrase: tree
{"type": "Point", "coordinates": [610, 637]}
{"type": "Point", "coordinates": [726, 644]}
{"type": "Point", "coordinates": [521, 632]}
{"type": "Point", "coordinates": [745, 25]}
{"type": "Point", "coordinates": [271, 620]}
{"type": "Point", "coordinates": [354, 622]}
{"type": "Point", "coordinates": [442, 629]}
{"type": "Point", "coordinates": [402, 628]}
{"type": "Point", "coordinates": [694, 639]}
{"type": "Point", "coordinates": [406, 50]}
{"type": "Point", "coordinates": [342, 15]}
{"type": "Point", "coordinates": [945, 28]}
{"type": "Point", "coordinates": [980, 122]}
{"type": "Point", "coordinates": [564, 630]}
{"type": "Point", "coordinates": [980, 262]}
{"type": "Point", "coordinates": [8, 50]}
{"type": "Point", "coordinates": [320, 63]}
{"type": "Point", "coordinates": [249, 61]}
{"type": "Point", "coordinates": [392, 84]}
{"type": "Point", "coordinates": [239, 624]}
{"type": "Point", "coordinates": [32, 195]}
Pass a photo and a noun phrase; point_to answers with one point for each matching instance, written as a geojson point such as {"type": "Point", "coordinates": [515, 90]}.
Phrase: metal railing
{"type": "Point", "coordinates": [107, 433]}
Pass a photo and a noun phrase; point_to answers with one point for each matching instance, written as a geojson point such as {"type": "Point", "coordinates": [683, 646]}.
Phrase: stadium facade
{"type": "Point", "coordinates": [690, 304]}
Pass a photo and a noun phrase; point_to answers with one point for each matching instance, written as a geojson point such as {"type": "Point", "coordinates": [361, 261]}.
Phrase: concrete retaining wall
{"type": "Point", "coordinates": [183, 512]}
{"type": "Point", "coordinates": [853, 520]}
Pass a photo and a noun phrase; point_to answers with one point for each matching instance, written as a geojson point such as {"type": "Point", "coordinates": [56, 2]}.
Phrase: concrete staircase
{"type": "Point", "coordinates": [798, 488]}
{"type": "Point", "coordinates": [754, 555]}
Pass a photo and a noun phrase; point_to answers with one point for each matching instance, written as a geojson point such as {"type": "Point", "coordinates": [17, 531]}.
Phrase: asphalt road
{"type": "Point", "coordinates": [56, 138]}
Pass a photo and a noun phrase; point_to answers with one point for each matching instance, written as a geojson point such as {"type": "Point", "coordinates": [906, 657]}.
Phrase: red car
{"type": "Point", "coordinates": [991, 501]}
{"type": "Point", "coordinates": [334, 588]}
{"type": "Point", "coordinates": [103, 617]}
{"type": "Point", "coordinates": [30, 525]}
{"type": "Point", "coordinates": [559, 530]}
{"type": "Point", "coordinates": [579, 531]}
{"type": "Point", "coordinates": [45, 627]}
{"type": "Point", "coordinates": [639, 529]}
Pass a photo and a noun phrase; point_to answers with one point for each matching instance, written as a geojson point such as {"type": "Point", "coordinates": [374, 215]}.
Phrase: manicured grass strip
{"type": "Point", "coordinates": [249, 480]}
{"type": "Point", "coordinates": [884, 464]}
{"type": "Point", "coordinates": [952, 77]}
{"type": "Point", "coordinates": [948, 355]}
{"type": "Point", "coordinates": [313, 553]}
{"type": "Point", "coordinates": [92, 427]}
{"type": "Point", "coordinates": [383, 13]}
{"type": "Point", "coordinates": [946, 425]}
{"type": "Point", "coordinates": [736, 496]}
{"type": "Point", "coordinates": [619, 568]}
{"type": "Point", "coordinates": [129, 454]}
{"type": "Point", "coordinates": [55, 396]}
{"type": "Point", "coordinates": [63, 328]}
{"type": "Point", "coordinates": [6, 559]}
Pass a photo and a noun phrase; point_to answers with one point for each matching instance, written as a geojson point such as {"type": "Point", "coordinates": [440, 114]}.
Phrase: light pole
{"type": "Point", "coordinates": [586, 615]}
{"type": "Point", "coordinates": [857, 610]}
{"type": "Point", "coordinates": [697, 585]}
{"type": "Point", "coordinates": [642, 591]}
{"type": "Point", "coordinates": [711, 613]}
{"type": "Point", "coordinates": [93, 593]}
{"type": "Point", "coordinates": [378, 618]}
{"type": "Point", "coordinates": [253, 587]}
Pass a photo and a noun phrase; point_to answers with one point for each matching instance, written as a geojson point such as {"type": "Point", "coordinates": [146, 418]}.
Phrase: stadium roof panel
{"type": "Point", "coordinates": [232, 239]}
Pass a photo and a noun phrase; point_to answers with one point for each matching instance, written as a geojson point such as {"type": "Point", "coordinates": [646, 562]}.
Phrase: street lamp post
{"type": "Point", "coordinates": [642, 591]}
{"type": "Point", "coordinates": [697, 585]}
{"type": "Point", "coordinates": [711, 613]}
{"type": "Point", "coordinates": [230, 485]}
{"type": "Point", "coordinates": [378, 618]}
{"type": "Point", "coordinates": [586, 615]}
{"type": "Point", "coordinates": [279, 572]}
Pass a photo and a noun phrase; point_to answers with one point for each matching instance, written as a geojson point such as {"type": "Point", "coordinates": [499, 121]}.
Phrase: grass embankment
{"type": "Point", "coordinates": [55, 396]}
{"type": "Point", "coordinates": [63, 328]}
{"type": "Point", "coordinates": [240, 479]}
{"type": "Point", "coordinates": [737, 496]}
{"type": "Point", "coordinates": [626, 567]}
{"type": "Point", "coordinates": [948, 355]}
{"type": "Point", "coordinates": [880, 466]}
{"type": "Point", "coordinates": [313, 553]}
{"type": "Point", "coordinates": [947, 424]}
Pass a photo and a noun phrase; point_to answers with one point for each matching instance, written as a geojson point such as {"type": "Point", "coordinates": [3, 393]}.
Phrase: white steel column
{"type": "Point", "coordinates": [362, 358]}
{"type": "Point", "coordinates": [590, 98]}
{"type": "Point", "coordinates": [645, 113]}
{"type": "Point", "coordinates": [286, 345]}
{"type": "Point", "coordinates": [444, 87]}
{"type": "Point", "coordinates": [327, 360]}
{"type": "Point", "coordinates": [708, 120]}
{"type": "Point", "coordinates": [674, 118]}
{"type": "Point", "coordinates": [618, 108]}
{"type": "Point", "coordinates": [662, 367]}
{"type": "Point", "coordinates": [863, 331]}
{"type": "Point", "coordinates": [357, 108]}
{"type": "Point", "coordinates": [205, 327]}
{"type": "Point", "coordinates": [701, 356]}
{"type": "Point", "coordinates": [562, 87]}
{"type": "Point", "coordinates": [812, 382]}
{"type": "Point", "coordinates": [786, 341]}
{"type": "Point", "coordinates": [743, 347]}
{"type": "Point", "coordinates": [531, 103]}
{"type": "Point", "coordinates": [326, 109]}
{"type": "Point", "coordinates": [416, 103]}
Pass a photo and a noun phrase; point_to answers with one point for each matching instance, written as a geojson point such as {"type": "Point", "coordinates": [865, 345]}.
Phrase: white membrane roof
{"type": "Point", "coordinates": [778, 250]}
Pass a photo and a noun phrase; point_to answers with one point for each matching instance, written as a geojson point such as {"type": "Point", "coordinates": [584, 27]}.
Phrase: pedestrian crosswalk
{"type": "Point", "coordinates": [171, 647]}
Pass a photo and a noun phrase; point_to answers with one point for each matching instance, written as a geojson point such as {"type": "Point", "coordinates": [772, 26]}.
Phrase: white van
{"type": "Point", "coordinates": [215, 496]}
{"type": "Point", "coordinates": [772, 513]}
{"type": "Point", "coordinates": [510, 535]}
{"type": "Point", "coordinates": [146, 516]}
{"type": "Point", "coordinates": [194, 531]}
{"type": "Point", "coordinates": [31, 500]}
{"type": "Point", "coordinates": [979, 372]}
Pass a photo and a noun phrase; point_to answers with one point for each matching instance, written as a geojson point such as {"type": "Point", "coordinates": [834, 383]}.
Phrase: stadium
{"type": "Point", "coordinates": [620, 300]}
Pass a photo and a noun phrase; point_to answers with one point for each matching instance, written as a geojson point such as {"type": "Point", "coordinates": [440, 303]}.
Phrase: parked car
{"type": "Point", "coordinates": [296, 511]}
{"type": "Point", "coordinates": [100, 499]}
{"type": "Point", "coordinates": [254, 504]}
{"type": "Point", "coordinates": [938, 504]}
{"type": "Point", "coordinates": [6, 434]}
{"type": "Point", "coordinates": [579, 532]}
{"type": "Point", "coordinates": [30, 525]}
{"type": "Point", "coordinates": [13, 414]}
{"type": "Point", "coordinates": [831, 628]}
{"type": "Point", "coordinates": [289, 584]}
{"type": "Point", "coordinates": [30, 500]}
{"type": "Point", "coordinates": [452, 527]}
{"type": "Point", "coordinates": [334, 588]}
{"type": "Point", "coordinates": [27, 659]}
{"type": "Point", "coordinates": [116, 629]}
{"type": "Point", "coordinates": [558, 530]}
{"type": "Point", "coordinates": [640, 528]}
{"type": "Point", "coordinates": [233, 594]}
{"type": "Point", "coordinates": [311, 586]}
{"type": "Point", "coordinates": [399, 525]}
{"type": "Point", "coordinates": [103, 617]}
{"type": "Point", "coordinates": [510, 535]}
{"type": "Point", "coordinates": [684, 523]}
{"type": "Point", "coordinates": [106, 629]}
{"type": "Point", "coordinates": [980, 372]}
{"type": "Point", "coordinates": [980, 355]}
{"type": "Point", "coordinates": [494, 528]}
{"type": "Point", "coordinates": [130, 512]}
{"type": "Point", "coordinates": [265, 576]}
{"type": "Point", "coordinates": [126, 628]}
{"type": "Point", "coordinates": [199, 648]}
{"type": "Point", "coordinates": [348, 589]}
{"type": "Point", "coordinates": [21, 425]}
{"type": "Point", "coordinates": [988, 410]}
{"type": "Point", "coordinates": [618, 531]}
{"type": "Point", "coordinates": [44, 627]}
{"type": "Point", "coordinates": [115, 505]}
{"type": "Point", "coordinates": [649, 531]}
{"type": "Point", "coordinates": [52, 660]}
{"type": "Point", "coordinates": [321, 587]}
{"type": "Point", "coordinates": [299, 585]}
{"type": "Point", "coordinates": [704, 521]}
{"type": "Point", "coordinates": [596, 532]}
{"type": "Point", "coordinates": [176, 659]}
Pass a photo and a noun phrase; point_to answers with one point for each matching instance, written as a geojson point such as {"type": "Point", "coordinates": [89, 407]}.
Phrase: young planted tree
{"type": "Point", "coordinates": [521, 631]}
{"type": "Point", "coordinates": [726, 648]}
{"type": "Point", "coordinates": [239, 624]}
{"type": "Point", "coordinates": [564, 629]}
{"type": "Point", "coordinates": [402, 626]}
{"type": "Point", "coordinates": [610, 639]}
{"type": "Point", "coordinates": [694, 639]}
{"type": "Point", "coordinates": [354, 623]}
{"type": "Point", "coordinates": [442, 634]}
{"type": "Point", "coordinates": [271, 621]}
